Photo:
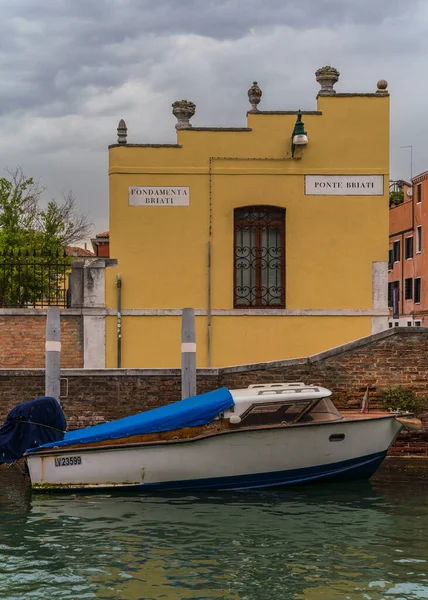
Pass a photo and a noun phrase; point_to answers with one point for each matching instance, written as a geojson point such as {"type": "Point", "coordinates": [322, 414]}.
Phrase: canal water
{"type": "Point", "coordinates": [344, 541]}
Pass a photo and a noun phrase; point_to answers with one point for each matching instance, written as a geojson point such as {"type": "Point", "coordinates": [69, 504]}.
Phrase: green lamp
{"type": "Point", "coordinates": [299, 136]}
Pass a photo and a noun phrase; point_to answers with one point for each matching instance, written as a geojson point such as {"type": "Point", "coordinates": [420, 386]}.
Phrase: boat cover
{"type": "Point", "coordinates": [31, 424]}
{"type": "Point", "coordinates": [197, 410]}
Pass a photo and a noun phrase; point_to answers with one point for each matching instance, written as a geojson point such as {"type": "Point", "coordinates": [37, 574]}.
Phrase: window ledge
{"type": "Point", "coordinates": [253, 312]}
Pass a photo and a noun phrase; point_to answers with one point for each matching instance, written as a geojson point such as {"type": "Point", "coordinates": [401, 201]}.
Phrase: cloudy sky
{"type": "Point", "coordinates": [70, 69]}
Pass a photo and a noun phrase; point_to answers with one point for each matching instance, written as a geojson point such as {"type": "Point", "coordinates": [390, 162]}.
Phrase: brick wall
{"type": "Point", "coordinates": [397, 356]}
{"type": "Point", "coordinates": [23, 335]}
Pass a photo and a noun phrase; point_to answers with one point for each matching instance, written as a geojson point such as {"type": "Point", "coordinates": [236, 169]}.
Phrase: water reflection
{"type": "Point", "coordinates": [339, 541]}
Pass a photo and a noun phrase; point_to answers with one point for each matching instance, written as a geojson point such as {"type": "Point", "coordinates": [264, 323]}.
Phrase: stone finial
{"type": "Point", "coordinates": [327, 77]}
{"type": "Point", "coordinates": [254, 96]}
{"type": "Point", "coordinates": [382, 86]}
{"type": "Point", "coordinates": [122, 132]}
{"type": "Point", "coordinates": [183, 111]}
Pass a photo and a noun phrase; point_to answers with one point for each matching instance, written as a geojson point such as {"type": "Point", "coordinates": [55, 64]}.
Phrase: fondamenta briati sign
{"type": "Point", "coordinates": [158, 196]}
{"type": "Point", "coordinates": [344, 185]}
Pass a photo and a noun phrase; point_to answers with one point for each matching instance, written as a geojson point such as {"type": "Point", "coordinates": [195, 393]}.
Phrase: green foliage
{"type": "Point", "coordinates": [401, 398]}
{"type": "Point", "coordinates": [396, 197]}
{"type": "Point", "coordinates": [33, 241]}
{"type": "Point", "coordinates": [31, 278]}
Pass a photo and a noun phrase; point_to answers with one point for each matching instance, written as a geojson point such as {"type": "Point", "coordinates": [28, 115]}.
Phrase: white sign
{"type": "Point", "coordinates": [158, 196]}
{"type": "Point", "coordinates": [344, 185]}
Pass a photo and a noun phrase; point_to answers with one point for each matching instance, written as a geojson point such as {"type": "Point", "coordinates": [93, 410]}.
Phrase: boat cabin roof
{"type": "Point", "coordinates": [276, 392]}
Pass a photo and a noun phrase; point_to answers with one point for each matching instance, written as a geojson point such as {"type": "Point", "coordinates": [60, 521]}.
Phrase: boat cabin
{"type": "Point", "coordinates": [281, 404]}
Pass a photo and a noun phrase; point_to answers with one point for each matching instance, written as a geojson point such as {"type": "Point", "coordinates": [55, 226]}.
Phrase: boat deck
{"type": "Point", "coordinates": [358, 415]}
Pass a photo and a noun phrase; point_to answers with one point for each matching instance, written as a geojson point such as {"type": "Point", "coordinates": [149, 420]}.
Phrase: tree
{"type": "Point", "coordinates": [33, 241]}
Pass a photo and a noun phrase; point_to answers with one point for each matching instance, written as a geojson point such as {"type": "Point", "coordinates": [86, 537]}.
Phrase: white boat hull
{"type": "Point", "coordinates": [238, 459]}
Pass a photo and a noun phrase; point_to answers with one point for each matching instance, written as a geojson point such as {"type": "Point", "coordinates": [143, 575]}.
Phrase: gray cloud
{"type": "Point", "coordinates": [70, 69]}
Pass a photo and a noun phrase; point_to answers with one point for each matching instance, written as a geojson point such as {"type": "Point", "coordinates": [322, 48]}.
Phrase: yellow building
{"type": "Point", "coordinates": [275, 233]}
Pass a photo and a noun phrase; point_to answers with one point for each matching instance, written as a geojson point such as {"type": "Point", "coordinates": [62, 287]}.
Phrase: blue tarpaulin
{"type": "Point", "coordinates": [197, 410]}
{"type": "Point", "coordinates": [31, 424]}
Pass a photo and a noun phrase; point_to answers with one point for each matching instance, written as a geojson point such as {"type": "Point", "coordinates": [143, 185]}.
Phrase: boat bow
{"type": "Point", "coordinates": [410, 423]}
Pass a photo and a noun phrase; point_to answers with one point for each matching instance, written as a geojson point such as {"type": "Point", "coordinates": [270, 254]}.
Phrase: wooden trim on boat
{"type": "Point", "coordinates": [193, 434]}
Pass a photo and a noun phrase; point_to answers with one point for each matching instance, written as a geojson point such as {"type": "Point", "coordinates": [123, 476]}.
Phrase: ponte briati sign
{"type": "Point", "coordinates": [344, 185]}
{"type": "Point", "coordinates": [158, 196]}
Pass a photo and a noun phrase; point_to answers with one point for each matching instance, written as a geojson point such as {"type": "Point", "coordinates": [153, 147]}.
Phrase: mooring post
{"type": "Point", "coordinates": [188, 353]}
{"type": "Point", "coordinates": [53, 353]}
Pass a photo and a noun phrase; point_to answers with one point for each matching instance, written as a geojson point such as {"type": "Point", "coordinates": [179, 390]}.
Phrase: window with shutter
{"type": "Point", "coordinates": [419, 238]}
{"type": "Point", "coordinates": [417, 294]}
{"type": "Point", "coordinates": [391, 286]}
{"type": "Point", "coordinates": [408, 288]}
{"type": "Point", "coordinates": [390, 294]}
{"type": "Point", "coordinates": [409, 247]}
{"type": "Point", "coordinates": [397, 251]}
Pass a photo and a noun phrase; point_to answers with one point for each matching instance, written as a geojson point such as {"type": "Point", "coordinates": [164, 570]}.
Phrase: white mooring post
{"type": "Point", "coordinates": [53, 353]}
{"type": "Point", "coordinates": [188, 354]}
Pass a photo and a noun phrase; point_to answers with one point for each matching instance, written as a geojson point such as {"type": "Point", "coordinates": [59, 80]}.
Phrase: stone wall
{"type": "Point", "coordinates": [393, 357]}
{"type": "Point", "coordinates": [23, 335]}
{"type": "Point", "coordinates": [398, 356]}
{"type": "Point", "coordinates": [23, 330]}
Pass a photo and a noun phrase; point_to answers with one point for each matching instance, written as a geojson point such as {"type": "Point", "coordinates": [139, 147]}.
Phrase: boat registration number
{"type": "Point", "coordinates": [68, 461]}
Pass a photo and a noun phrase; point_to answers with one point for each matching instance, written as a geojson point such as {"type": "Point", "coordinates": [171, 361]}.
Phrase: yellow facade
{"type": "Point", "coordinates": [332, 242]}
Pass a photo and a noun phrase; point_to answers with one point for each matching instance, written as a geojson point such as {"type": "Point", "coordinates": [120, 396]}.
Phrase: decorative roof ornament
{"type": "Point", "coordinates": [254, 95]}
{"type": "Point", "coordinates": [183, 111]}
{"type": "Point", "coordinates": [382, 86]}
{"type": "Point", "coordinates": [122, 132]}
{"type": "Point", "coordinates": [327, 77]}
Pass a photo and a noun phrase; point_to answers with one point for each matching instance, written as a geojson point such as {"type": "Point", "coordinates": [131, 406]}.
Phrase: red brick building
{"type": "Point", "coordinates": [101, 244]}
{"type": "Point", "coordinates": [408, 252]}
{"type": "Point", "coordinates": [79, 252]}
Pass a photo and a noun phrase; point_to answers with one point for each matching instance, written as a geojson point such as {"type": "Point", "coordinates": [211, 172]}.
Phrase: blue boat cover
{"type": "Point", "coordinates": [197, 410]}
{"type": "Point", "coordinates": [31, 424]}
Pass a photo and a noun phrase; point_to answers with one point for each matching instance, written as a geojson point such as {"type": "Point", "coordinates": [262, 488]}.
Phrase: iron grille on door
{"type": "Point", "coordinates": [259, 257]}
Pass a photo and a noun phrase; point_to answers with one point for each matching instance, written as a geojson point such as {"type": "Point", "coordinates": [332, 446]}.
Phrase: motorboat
{"type": "Point", "coordinates": [261, 436]}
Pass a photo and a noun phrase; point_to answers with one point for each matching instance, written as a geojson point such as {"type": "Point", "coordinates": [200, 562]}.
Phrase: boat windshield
{"type": "Point", "coordinates": [274, 413]}
{"type": "Point", "coordinates": [324, 410]}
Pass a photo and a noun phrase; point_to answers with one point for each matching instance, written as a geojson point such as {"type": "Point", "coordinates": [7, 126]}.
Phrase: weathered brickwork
{"type": "Point", "coordinates": [395, 357]}
{"type": "Point", "coordinates": [98, 398]}
{"type": "Point", "coordinates": [22, 341]}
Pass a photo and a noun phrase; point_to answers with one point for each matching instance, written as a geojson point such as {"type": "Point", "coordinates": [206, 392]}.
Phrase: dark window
{"type": "Point", "coordinates": [409, 247]}
{"type": "Point", "coordinates": [419, 192]}
{"type": "Point", "coordinates": [397, 252]}
{"type": "Point", "coordinates": [419, 238]}
{"type": "Point", "coordinates": [390, 325]}
{"type": "Point", "coordinates": [417, 290]}
{"type": "Point", "coordinates": [396, 324]}
{"type": "Point", "coordinates": [259, 257]}
{"type": "Point", "coordinates": [408, 288]}
{"type": "Point", "coordinates": [418, 323]}
{"type": "Point", "coordinates": [392, 285]}
{"type": "Point", "coordinates": [271, 414]}
{"type": "Point", "coordinates": [409, 323]}
{"type": "Point", "coordinates": [391, 259]}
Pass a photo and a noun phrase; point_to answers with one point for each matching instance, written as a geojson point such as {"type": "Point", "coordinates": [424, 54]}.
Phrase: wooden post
{"type": "Point", "coordinates": [188, 353]}
{"type": "Point", "coordinates": [53, 353]}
